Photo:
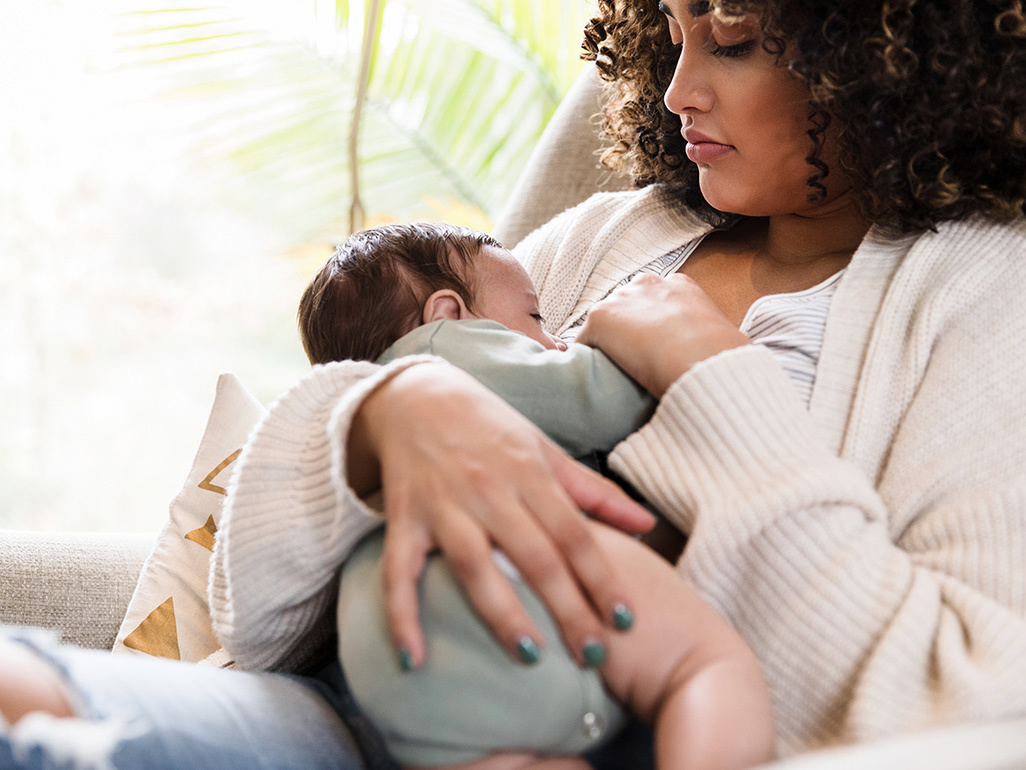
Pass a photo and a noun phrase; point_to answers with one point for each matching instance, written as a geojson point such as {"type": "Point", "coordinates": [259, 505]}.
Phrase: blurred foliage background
{"type": "Point", "coordinates": [171, 176]}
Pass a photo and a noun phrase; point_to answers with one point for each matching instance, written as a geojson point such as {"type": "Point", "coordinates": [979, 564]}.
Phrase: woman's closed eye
{"type": "Point", "coordinates": [737, 35]}
{"type": "Point", "coordinates": [732, 51]}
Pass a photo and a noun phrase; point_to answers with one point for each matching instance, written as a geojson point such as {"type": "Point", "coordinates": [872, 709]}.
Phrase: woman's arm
{"type": "Point", "coordinates": [459, 470]}
{"type": "Point", "coordinates": [463, 472]}
{"type": "Point", "coordinates": [289, 521]}
{"type": "Point", "coordinates": [884, 589]}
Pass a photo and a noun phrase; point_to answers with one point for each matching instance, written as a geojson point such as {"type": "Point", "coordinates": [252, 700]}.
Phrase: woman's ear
{"type": "Point", "coordinates": [445, 305]}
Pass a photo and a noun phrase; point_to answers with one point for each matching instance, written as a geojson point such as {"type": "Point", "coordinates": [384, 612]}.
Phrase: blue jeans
{"type": "Point", "coordinates": [141, 712]}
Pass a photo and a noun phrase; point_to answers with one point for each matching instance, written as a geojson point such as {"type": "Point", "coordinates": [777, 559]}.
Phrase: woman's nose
{"type": "Point", "coordinates": [689, 89]}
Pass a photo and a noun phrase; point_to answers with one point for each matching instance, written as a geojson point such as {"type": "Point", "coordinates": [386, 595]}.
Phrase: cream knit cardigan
{"type": "Point", "coordinates": [871, 547]}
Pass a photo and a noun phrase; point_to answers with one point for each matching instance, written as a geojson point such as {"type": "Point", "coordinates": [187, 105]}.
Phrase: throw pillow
{"type": "Point", "coordinates": [168, 615]}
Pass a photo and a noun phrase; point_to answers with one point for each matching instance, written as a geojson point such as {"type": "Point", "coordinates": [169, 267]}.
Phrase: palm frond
{"type": "Point", "coordinates": [456, 95]}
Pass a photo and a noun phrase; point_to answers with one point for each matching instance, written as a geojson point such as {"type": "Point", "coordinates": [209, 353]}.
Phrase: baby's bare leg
{"type": "Point", "coordinates": [683, 668]}
{"type": "Point", "coordinates": [28, 683]}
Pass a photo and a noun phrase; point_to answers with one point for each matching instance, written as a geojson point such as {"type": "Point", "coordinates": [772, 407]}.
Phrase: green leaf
{"type": "Point", "coordinates": [458, 94]}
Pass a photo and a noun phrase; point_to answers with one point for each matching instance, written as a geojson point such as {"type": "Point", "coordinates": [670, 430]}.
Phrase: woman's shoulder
{"type": "Point", "coordinates": [615, 213]}
{"type": "Point", "coordinates": [964, 272]}
{"type": "Point", "coordinates": [641, 221]}
{"type": "Point", "coordinates": [978, 231]}
{"type": "Point", "coordinates": [975, 250]}
{"type": "Point", "coordinates": [655, 201]}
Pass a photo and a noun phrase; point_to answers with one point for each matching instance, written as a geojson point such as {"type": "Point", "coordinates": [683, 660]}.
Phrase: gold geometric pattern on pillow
{"type": "Point", "coordinates": [158, 633]}
{"type": "Point", "coordinates": [208, 484]}
{"type": "Point", "coordinates": [176, 567]}
{"type": "Point", "coordinates": [204, 536]}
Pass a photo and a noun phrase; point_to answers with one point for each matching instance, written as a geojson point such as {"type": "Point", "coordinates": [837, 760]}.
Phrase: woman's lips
{"type": "Point", "coordinates": [702, 148]}
{"type": "Point", "coordinates": [706, 152]}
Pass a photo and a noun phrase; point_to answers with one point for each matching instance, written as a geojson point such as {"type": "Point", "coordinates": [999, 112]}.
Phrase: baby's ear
{"type": "Point", "coordinates": [445, 305]}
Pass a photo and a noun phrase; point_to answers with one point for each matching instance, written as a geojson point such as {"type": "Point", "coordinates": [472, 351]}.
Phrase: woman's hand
{"type": "Point", "coordinates": [462, 471]}
{"type": "Point", "coordinates": [656, 329]}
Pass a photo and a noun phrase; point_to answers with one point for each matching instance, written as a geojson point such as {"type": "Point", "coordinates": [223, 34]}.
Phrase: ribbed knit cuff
{"type": "Point", "coordinates": [291, 517]}
{"type": "Point", "coordinates": [731, 422]}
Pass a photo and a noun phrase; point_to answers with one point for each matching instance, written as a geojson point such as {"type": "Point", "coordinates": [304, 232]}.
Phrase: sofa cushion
{"type": "Point", "coordinates": [168, 615]}
{"type": "Point", "coordinates": [75, 583]}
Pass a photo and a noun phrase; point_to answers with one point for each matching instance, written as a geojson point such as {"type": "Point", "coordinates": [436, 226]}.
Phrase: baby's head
{"type": "Point", "coordinates": [385, 281]}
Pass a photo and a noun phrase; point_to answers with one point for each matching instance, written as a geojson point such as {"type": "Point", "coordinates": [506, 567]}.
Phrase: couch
{"type": "Point", "coordinates": [80, 584]}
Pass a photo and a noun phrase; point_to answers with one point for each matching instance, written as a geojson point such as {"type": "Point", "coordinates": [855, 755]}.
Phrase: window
{"type": "Point", "coordinates": [169, 180]}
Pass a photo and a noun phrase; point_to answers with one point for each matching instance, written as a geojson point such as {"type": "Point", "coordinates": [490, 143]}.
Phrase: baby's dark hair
{"type": "Point", "coordinates": [372, 290]}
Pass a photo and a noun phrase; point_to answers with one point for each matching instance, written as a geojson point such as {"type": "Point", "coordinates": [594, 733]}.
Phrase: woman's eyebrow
{"type": "Point", "coordinates": [696, 8]}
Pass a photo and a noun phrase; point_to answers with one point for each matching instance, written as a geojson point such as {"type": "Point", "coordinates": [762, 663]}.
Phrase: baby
{"type": "Point", "coordinates": [456, 293]}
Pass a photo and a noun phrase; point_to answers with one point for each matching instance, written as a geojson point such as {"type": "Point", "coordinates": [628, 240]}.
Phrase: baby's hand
{"type": "Point", "coordinates": [656, 329]}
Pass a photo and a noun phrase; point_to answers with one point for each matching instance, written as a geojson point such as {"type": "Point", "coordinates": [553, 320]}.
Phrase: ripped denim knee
{"type": "Point", "coordinates": [39, 740]}
{"type": "Point", "coordinates": [144, 712]}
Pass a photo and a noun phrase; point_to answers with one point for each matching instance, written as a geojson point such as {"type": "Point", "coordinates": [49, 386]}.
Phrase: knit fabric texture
{"type": "Point", "coordinates": [869, 547]}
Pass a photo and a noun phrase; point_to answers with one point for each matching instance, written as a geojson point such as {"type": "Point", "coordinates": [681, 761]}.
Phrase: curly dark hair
{"type": "Point", "coordinates": [929, 99]}
{"type": "Point", "coordinates": [372, 290]}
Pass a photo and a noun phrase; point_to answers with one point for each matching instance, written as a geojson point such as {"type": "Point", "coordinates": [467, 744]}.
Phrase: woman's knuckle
{"type": "Point", "coordinates": [570, 533]}
{"type": "Point", "coordinates": [544, 567]}
{"type": "Point", "coordinates": [468, 562]}
{"type": "Point", "coordinates": [394, 575]}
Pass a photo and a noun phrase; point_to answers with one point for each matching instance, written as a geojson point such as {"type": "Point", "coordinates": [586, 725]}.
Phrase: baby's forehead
{"type": "Point", "coordinates": [488, 253]}
{"type": "Point", "coordinates": [492, 263]}
{"type": "Point", "coordinates": [495, 257]}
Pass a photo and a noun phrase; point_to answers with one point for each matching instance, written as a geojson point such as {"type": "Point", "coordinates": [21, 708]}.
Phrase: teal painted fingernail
{"type": "Point", "coordinates": [594, 653]}
{"type": "Point", "coordinates": [528, 651]}
{"type": "Point", "coordinates": [405, 659]}
{"type": "Point", "coordinates": [623, 618]}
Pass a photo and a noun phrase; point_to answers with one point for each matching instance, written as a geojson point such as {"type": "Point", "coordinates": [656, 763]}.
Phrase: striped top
{"type": "Point", "coordinates": [789, 325]}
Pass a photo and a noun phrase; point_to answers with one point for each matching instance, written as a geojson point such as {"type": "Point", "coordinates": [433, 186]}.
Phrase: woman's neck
{"type": "Point", "coordinates": [760, 256]}
{"type": "Point", "coordinates": [832, 232]}
{"type": "Point", "coordinates": [794, 251]}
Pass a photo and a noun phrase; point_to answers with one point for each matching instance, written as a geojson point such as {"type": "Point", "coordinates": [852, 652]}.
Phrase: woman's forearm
{"type": "Point", "coordinates": [362, 467]}
{"type": "Point", "coordinates": [290, 518]}
{"type": "Point", "coordinates": [912, 612]}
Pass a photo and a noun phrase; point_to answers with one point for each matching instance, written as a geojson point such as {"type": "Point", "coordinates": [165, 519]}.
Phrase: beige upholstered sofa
{"type": "Point", "coordinates": [79, 584]}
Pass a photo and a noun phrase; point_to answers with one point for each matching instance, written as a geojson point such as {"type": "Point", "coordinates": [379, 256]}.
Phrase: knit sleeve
{"type": "Point", "coordinates": [578, 257]}
{"type": "Point", "coordinates": [882, 589]}
{"type": "Point", "coordinates": [290, 520]}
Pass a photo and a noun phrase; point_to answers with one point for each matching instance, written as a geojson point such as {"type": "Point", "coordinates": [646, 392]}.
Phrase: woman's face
{"type": "Point", "coordinates": [745, 119]}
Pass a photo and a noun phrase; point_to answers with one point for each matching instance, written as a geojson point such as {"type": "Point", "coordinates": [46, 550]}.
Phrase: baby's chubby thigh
{"type": "Point", "coordinates": [675, 632]}
{"type": "Point", "coordinates": [469, 698]}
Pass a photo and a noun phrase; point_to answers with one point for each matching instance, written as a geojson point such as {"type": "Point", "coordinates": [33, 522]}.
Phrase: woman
{"type": "Point", "coordinates": [853, 487]}
{"type": "Point", "coordinates": [848, 188]}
